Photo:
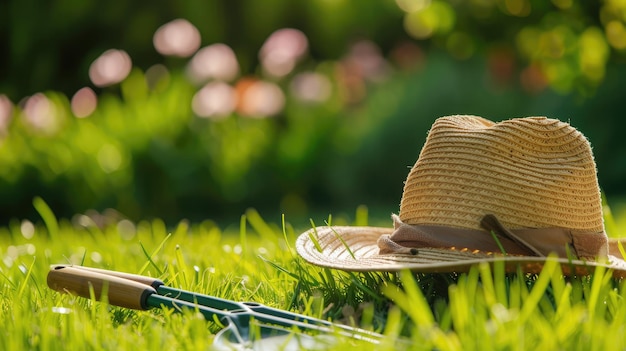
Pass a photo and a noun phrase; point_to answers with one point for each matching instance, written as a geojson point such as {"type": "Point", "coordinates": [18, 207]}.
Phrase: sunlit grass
{"type": "Point", "coordinates": [254, 260]}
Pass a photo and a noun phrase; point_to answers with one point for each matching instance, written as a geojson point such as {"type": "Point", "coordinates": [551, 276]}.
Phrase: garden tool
{"type": "Point", "coordinates": [248, 325]}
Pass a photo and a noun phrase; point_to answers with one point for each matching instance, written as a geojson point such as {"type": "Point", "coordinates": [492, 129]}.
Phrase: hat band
{"type": "Point", "coordinates": [495, 238]}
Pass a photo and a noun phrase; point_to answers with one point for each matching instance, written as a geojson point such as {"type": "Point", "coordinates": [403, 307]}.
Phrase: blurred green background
{"type": "Point", "coordinates": [204, 108]}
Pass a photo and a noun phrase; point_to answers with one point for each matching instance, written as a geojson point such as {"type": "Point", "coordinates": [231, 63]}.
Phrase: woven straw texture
{"type": "Point", "coordinates": [529, 172]}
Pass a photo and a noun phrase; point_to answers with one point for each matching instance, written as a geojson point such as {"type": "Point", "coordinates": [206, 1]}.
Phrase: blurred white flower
{"type": "Point", "coordinates": [177, 38]}
{"type": "Point", "coordinates": [84, 102]}
{"type": "Point", "coordinates": [41, 113]}
{"type": "Point", "coordinates": [311, 87]}
{"type": "Point", "coordinates": [6, 112]}
{"type": "Point", "coordinates": [367, 58]}
{"type": "Point", "coordinates": [216, 99]}
{"type": "Point", "coordinates": [112, 67]}
{"type": "Point", "coordinates": [217, 61]}
{"type": "Point", "coordinates": [260, 99]}
{"type": "Point", "coordinates": [282, 50]}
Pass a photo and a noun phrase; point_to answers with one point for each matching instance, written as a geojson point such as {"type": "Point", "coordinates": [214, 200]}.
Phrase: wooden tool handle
{"type": "Point", "coordinates": [120, 292]}
{"type": "Point", "coordinates": [153, 282]}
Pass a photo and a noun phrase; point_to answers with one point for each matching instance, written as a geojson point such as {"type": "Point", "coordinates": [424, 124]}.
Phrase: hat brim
{"type": "Point", "coordinates": [355, 249]}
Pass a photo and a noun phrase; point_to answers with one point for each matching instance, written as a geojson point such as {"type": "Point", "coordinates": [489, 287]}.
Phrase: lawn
{"type": "Point", "coordinates": [254, 260]}
{"type": "Point", "coordinates": [303, 107]}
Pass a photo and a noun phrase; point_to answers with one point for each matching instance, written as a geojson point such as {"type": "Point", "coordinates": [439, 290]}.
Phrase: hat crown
{"type": "Point", "coordinates": [532, 172]}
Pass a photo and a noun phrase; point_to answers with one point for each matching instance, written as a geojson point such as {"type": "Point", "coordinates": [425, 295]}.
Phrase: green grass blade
{"type": "Point", "coordinates": [181, 274]}
{"type": "Point", "coordinates": [343, 242]}
{"type": "Point", "coordinates": [314, 237]}
{"type": "Point", "coordinates": [531, 302]}
{"type": "Point", "coordinates": [149, 256]}
{"type": "Point", "coordinates": [622, 251]}
{"type": "Point", "coordinates": [48, 217]}
{"type": "Point", "coordinates": [24, 283]}
{"type": "Point", "coordinates": [495, 238]}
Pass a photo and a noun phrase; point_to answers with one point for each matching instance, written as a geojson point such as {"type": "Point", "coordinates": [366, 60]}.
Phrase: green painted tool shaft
{"type": "Point", "coordinates": [243, 315]}
{"type": "Point", "coordinates": [200, 299]}
{"type": "Point", "coordinates": [210, 301]}
{"type": "Point", "coordinates": [141, 292]}
{"type": "Point", "coordinates": [215, 302]}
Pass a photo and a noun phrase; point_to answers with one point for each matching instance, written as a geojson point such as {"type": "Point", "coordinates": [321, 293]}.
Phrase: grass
{"type": "Point", "coordinates": [485, 309]}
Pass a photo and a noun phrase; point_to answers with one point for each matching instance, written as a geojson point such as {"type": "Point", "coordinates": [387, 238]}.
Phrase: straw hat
{"type": "Point", "coordinates": [515, 191]}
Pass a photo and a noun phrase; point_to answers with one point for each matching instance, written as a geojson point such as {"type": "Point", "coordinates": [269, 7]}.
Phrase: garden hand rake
{"type": "Point", "coordinates": [248, 325]}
